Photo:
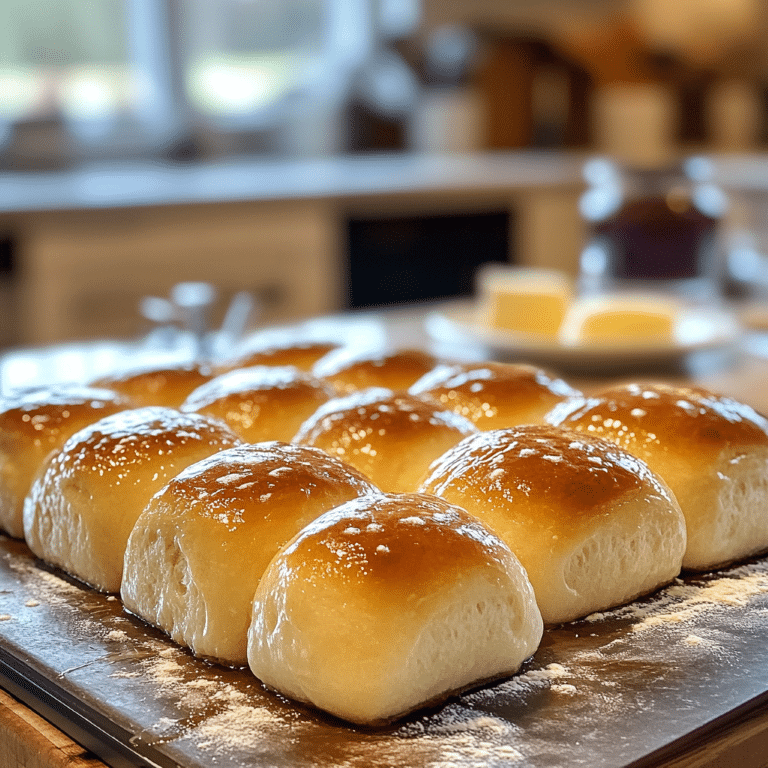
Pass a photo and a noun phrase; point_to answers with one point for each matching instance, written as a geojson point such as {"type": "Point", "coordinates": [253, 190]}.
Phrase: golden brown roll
{"type": "Point", "coordinates": [391, 437]}
{"type": "Point", "coordinates": [301, 355]}
{"type": "Point", "coordinates": [350, 370]}
{"type": "Point", "coordinates": [591, 524]}
{"type": "Point", "coordinates": [712, 452]}
{"type": "Point", "coordinates": [35, 422]}
{"type": "Point", "coordinates": [166, 386]}
{"type": "Point", "coordinates": [83, 505]}
{"type": "Point", "coordinates": [493, 395]}
{"type": "Point", "coordinates": [196, 554]}
{"type": "Point", "coordinates": [261, 403]}
{"type": "Point", "coordinates": [388, 604]}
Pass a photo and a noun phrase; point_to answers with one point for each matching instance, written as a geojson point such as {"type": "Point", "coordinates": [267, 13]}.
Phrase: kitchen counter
{"type": "Point", "coordinates": [91, 241]}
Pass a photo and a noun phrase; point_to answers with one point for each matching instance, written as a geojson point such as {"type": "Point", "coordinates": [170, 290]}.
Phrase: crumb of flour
{"type": "Point", "coordinates": [681, 603]}
{"type": "Point", "coordinates": [531, 679]}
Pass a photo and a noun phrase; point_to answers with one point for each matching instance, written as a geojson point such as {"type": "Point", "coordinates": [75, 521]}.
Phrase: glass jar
{"type": "Point", "coordinates": [652, 229]}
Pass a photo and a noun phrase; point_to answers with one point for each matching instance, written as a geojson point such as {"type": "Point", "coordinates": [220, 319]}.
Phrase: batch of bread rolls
{"type": "Point", "coordinates": [372, 534]}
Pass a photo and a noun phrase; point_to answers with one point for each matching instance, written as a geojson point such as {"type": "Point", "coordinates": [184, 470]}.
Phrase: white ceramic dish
{"type": "Point", "coordinates": [698, 330]}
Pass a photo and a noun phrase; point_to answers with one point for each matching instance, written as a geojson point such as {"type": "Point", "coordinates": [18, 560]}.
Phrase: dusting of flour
{"type": "Point", "coordinates": [586, 675]}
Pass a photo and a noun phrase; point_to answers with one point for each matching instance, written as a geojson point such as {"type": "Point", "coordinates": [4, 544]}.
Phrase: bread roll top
{"type": "Point", "coordinates": [142, 438]}
{"type": "Point", "coordinates": [573, 477]}
{"type": "Point", "coordinates": [350, 370]}
{"type": "Point", "coordinates": [262, 402]}
{"type": "Point", "coordinates": [493, 395]}
{"type": "Point", "coordinates": [243, 486]}
{"type": "Point", "coordinates": [48, 415]}
{"type": "Point", "coordinates": [301, 355]}
{"type": "Point", "coordinates": [391, 437]}
{"type": "Point", "coordinates": [391, 551]}
{"type": "Point", "coordinates": [656, 418]}
{"type": "Point", "coordinates": [166, 386]}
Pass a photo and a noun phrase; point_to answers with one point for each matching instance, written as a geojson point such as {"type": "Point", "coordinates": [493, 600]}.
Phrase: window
{"type": "Point", "coordinates": [132, 75]}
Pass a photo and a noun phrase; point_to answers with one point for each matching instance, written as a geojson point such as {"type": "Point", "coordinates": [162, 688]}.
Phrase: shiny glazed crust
{"type": "Point", "coordinates": [167, 386]}
{"type": "Point", "coordinates": [494, 395]}
{"type": "Point", "coordinates": [235, 508]}
{"type": "Point", "coordinates": [32, 424]}
{"type": "Point", "coordinates": [82, 507]}
{"type": "Point", "coordinates": [391, 437]}
{"type": "Point", "coordinates": [388, 603]}
{"type": "Point", "coordinates": [302, 356]}
{"type": "Point", "coordinates": [349, 371]}
{"type": "Point", "coordinates": [261, 403]}
{"type": "Point", "coordinates": [593, 526]}
{"type": "Point", "coordinates": [712, 451]}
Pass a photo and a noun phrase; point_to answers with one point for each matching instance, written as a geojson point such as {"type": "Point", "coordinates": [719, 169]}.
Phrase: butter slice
{"type": "Point", "coordinates": [632, 320]}
{"type": "Point", "coordinates": [525, 300]}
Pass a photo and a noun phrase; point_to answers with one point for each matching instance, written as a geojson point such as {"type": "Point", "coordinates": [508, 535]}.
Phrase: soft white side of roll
{"type": "Point", "coordinates": [386, 605]}
{"type": "Point", "coordinates": [591, 524]}
{"type": "Point", "coordinates": [197, 552]}
{"type": "Point", "coordinates": [84, 504]}
{"type": "Point", "coordinates": [725, 504]}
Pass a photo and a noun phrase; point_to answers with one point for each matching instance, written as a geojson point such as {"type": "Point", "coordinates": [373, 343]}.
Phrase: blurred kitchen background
{"type": "Point", "coordinates": [321, 155]}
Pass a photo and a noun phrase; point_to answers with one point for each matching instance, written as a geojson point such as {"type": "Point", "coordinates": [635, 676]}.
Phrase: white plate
{"type": "Point", "coordinates": [698, 330]}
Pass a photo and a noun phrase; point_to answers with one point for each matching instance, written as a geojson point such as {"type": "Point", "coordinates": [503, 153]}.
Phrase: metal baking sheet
{"type": "Point", "coordinates": [633, 687]}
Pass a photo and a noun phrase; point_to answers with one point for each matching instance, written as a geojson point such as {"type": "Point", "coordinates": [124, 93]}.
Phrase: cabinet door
{"type": "Point", "coordinates": [85, 273]}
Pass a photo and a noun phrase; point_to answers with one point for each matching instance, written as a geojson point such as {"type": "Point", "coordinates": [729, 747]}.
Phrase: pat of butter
{"type": "Point", "coordinates": [531, 301]}
{"type": "Point", "coordinates": [630, 320]}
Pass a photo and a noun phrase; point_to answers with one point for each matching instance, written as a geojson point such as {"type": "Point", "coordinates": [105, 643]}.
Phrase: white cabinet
{"type": "Point", "coordinates": [85, 272]}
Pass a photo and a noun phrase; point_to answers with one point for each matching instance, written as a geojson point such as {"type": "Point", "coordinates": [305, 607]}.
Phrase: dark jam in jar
{"type": "Point", "coordinates": [659, 237]}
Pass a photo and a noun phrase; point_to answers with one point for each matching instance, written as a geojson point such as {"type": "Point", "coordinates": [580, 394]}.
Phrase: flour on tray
{"type": "Point", "coordinates": [682, 603]}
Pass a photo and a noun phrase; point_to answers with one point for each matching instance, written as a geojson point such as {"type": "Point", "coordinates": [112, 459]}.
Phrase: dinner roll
{"type": "Point", "coordinates": [387, 604]}
{"type": "Point", "coordinates": [493, 395]}
{"type": "Point", "coordinates": [302, 355]}
{"type": "Point", "coordinates": [391, 437]}
{"type": "Point", "coordinates": [197, 552]}
{"type": "Point", "coordinates": [711, 450]}
{"type": "Point", "coordinates": [35, 422]}
{"type": "Point", "coordinates": [84, 503]}
{"type": "Point", "coordinates": [591, 524]}
{"type": "Point", "coordinates": [261, 403]}
{"type": "Point", "coordinates": [167, 386]}
{"type": "Point", "coordinates": [349, 370]}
